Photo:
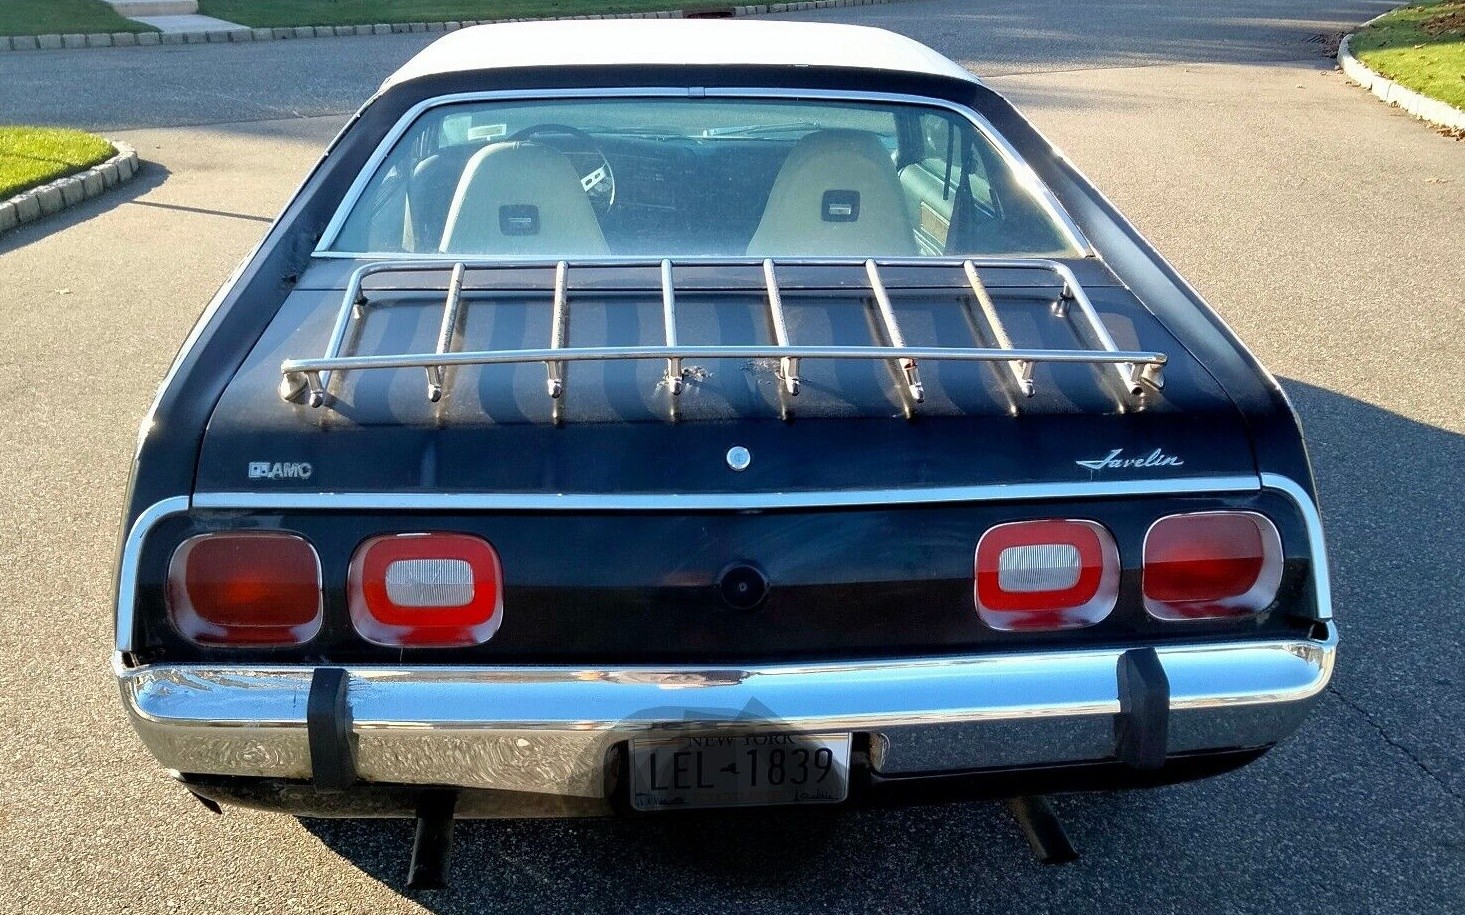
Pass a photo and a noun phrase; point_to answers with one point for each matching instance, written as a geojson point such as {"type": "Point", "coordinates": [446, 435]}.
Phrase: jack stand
{"type": "Point", "coordinates": [432, 845]}
{"type": "Point", "coordinates": [1041, 827]}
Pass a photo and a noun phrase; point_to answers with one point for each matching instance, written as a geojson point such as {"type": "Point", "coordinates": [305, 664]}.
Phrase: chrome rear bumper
{"type": "Point", "coordinates": [548, 731]}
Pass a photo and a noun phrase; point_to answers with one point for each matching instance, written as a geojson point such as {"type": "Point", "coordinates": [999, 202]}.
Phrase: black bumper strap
{"type": "Point", "coordinates": [328, 727]}
{"type": "Point", "coordinates": [1142, 727]}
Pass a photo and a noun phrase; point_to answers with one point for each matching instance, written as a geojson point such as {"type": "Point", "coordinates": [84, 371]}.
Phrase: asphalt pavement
{"type": "Point", "coordinates": [1327, 229]}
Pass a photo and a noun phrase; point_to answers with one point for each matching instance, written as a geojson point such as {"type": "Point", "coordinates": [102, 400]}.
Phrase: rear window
{"type": "Point", "coordinates": [688, 177]}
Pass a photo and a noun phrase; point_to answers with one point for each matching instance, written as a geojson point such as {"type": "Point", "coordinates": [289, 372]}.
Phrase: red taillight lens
{"type": "Point", "coordinates": [1211, 564]}
{"type": "Point", "coordinates": [1046, 575]}
{"type": "Point", "coordinates": [439, 590]}
{"type": "Point", "coordinates": [245, 588]}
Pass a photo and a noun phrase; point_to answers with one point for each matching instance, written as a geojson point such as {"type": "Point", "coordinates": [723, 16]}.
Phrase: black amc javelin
{"type": "Point", "coordinates": [638, 416]}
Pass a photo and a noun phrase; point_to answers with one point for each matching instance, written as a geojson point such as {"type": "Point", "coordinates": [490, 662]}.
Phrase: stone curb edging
{"type": "Point", "coordinates": [27, 207]}
{"type": "Point", "coordinates": [225, 36]}
{"type": "Point", "coordinates": [1436, 112]}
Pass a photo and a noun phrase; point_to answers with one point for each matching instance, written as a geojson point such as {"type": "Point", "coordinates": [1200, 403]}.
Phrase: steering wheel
{"type": "Point", "coordinates": [584, 154]}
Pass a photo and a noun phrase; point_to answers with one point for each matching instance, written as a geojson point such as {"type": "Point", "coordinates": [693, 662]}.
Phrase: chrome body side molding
{"type": "Point", "coordinates": [723, 501]}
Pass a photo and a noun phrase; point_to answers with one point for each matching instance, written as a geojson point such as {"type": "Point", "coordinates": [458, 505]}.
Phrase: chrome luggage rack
{"type": "Point", "coordinates": [1134, 371]}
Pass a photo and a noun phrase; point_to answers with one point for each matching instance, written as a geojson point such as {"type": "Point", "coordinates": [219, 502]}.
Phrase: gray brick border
{"type": "Point", "coordinates": [156, 39]}
{"type": "Point", "coordinates": [1433, 111]}
{"type": "Point", "coordinates": [57, 195]}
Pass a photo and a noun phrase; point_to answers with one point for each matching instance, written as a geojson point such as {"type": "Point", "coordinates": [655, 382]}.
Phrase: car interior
{"type": "Point", "coordinates": [610, 178]}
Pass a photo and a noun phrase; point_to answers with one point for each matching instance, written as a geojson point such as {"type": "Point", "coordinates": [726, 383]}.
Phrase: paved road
{"type": "Point", "coordinates": [1329, 230]}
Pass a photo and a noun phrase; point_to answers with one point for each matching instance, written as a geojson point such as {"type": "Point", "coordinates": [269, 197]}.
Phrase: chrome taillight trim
{"type": "Point", "coordinates": [1093, 611]}
{"type": "Point", "coordinates": [132, 546]}
{"type": "Point", "coordinates": [368, 622]}
{"type": "Point", "coordinates": [1269, 578]}
{"type": "Point", "coordinates": [1322, 577]}
{"type": "Point", "coordinates": [127, 564]}
{"type": "Point", "coordinates": [180, 555]}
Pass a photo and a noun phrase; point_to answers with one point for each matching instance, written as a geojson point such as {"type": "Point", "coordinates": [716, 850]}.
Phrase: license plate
{"type": "Point", "coordinates": [739, 770]}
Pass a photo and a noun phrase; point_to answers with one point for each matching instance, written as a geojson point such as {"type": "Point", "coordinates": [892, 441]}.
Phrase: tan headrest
{"type": "Point", "coordinates": [837, 194]}
{"type": "Point", "coordinates": [521, 198]}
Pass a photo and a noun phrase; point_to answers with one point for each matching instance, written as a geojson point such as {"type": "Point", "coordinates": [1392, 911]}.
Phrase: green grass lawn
{"type": "Point", "coordinates": [34, 155]}
{"type": "Point", "coordinates": [274, 13]}
{"type": "Point", "coordinates": [1420, 46]}
{"type": "Point", "coordinates": [61, 17]}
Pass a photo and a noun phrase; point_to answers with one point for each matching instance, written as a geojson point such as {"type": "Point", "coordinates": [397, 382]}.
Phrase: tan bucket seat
{"type": "Point", "coordinates": [837, 195]}
{"type": "Point", "coordinates": [521, 199]}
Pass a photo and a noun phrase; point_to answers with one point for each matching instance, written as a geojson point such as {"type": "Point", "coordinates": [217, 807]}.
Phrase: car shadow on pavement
{"type": "Point", "coordinates": [1391, 498]}
{"type": "Point", "coordinates": [1389, 520]}
{"type": "Point", "coordinates": [677, 860]}
{"type": "Point", "coordinates": [150, 176]}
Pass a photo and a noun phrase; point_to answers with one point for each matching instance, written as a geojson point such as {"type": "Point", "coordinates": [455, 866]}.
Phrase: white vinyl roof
{"type": "Point", "coordinates": [632, 42]}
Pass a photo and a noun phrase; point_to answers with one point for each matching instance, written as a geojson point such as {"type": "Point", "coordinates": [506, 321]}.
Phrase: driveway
{"type": "Point", "coordinates": [1327, 229]}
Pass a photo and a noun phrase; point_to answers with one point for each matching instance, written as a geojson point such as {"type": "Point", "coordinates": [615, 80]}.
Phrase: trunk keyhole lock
{"type": "Point", "coordinates": [739, 458]}
{"type": "Point", "coordinates": [743, 586]}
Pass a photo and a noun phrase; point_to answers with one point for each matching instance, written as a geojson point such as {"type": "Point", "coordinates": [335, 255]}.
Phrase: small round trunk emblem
{"type": "Point", "coordinates": [738, 457]}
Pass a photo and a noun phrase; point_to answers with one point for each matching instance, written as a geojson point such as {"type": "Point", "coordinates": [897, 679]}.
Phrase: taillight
{"type": "Point", "coordinates": [1046, 575]}
{"type": "Point", "coordinates": [1211, 564]}
{"type": "Point", "coordinates": [439, 590]}
{"type": "Point", "coordinates": [245, 588]}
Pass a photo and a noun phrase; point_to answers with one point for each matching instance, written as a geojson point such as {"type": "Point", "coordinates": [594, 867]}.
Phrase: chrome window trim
{"type": "Point", "coordinates": [1021, 170]}
{"type": "Point", "coordinates": [726, 501]}
{"type": "Point", "coordinates": [127, 565]}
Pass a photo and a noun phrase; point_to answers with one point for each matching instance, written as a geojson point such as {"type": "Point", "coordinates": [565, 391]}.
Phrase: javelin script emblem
{"type": "Point", "coordinates": [1156, 458]}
